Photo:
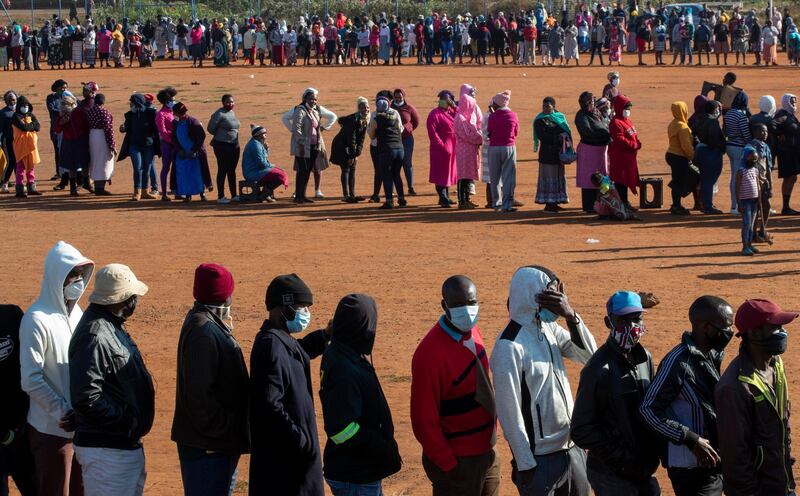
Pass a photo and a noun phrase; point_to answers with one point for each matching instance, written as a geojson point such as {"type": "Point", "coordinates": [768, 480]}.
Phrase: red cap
{"type": "Point", "coordinates": [758, 312]}
{"type": "Point", "coordinates": [213, 283]}
{"type": "Point", "coordinates": [149, 97]}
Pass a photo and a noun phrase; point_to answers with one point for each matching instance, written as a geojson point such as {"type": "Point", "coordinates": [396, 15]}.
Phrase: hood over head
{"type": "Point", "coordinates": [700, 103]}
{"type": "Point", "coordinates": [619, 104]}
{"type": "Point", "coordinates": [766, 104]}
{"type": "Point", "coordinates": [740, 101]}
{"type": "Point", "coordinates": [680, 111]}
{"type": "Point", "coordinates": [466, 89]}
{"type": "Point", "coordinates": [355, 323]}
{"type": "Point", "coordinates": [786, 102]}
{"type": "Point", "coordinates": [60, 261]}
{"type": "Point", "coordinates": [526, 283]}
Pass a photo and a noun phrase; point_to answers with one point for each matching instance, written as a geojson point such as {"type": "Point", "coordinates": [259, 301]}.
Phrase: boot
{"type": "Point", "coordinates": [63, 183]}
{"type": "Point", "coordinates": [100, 189]}
{"type": "Point", "coordinates": [20, 191]}
{"type": "Point", "coordinates": [32, 190]}
{"type": "Point", "coordinates": [73, 186]}
{"type": "Point", "coordinates": [137, 195]}
{"type": "Point", "coordinates": [87, 184]}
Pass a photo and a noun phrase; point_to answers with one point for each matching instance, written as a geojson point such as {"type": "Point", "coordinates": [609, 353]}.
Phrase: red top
{"type": "Point", "coordinates": [503, 128]}
{"type": "Point", "coordinates": [446, 419]}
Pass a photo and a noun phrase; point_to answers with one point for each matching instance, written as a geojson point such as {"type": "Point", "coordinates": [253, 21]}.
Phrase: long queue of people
{"type": "Point", "coordinates": [382, 39]}
{"type": "Point", "coordinates": [80, 398]}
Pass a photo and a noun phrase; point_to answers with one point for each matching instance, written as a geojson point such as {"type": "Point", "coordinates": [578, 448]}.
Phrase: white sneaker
{"type": "Point", "coordinates": [236, 199]}
{"type": "Point", "coordinates": [4, 188]}
{"type": "Point", "coordinates": [319, 194]}
{"type": "Point", "coordinates": [223, 201]}
{"type": "Point", "coordinates": [472, 189]}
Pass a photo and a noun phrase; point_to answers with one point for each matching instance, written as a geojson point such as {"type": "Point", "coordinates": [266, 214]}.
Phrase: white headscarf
{"type": "Point", "coordinates": [786, 103]}
{"type": "Point", "coordinates": [767, 105]}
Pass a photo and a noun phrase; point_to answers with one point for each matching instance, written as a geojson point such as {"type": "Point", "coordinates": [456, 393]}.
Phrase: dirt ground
{"type": "Point", "coordinates": [400, 257]}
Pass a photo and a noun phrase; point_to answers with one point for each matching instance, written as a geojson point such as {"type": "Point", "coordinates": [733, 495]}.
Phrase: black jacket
{"type": "Point", "coordinates": [709, 133]}
{"type": "Point", "coordinates": [606, 421]}
{"type": "Point", "coordinates": [15, 401]}
{"type": "Point", "coordinates": [212, 387]}
{"type": "Point", "coordinates": [110, 388]}
{"type": "Point", "coordinates": [285, 457]}
{"type": "Point", "coordinates": [592, 130]}
{"type": "Point", "coordinates": [349, 141]}
{"type": "Point", "coordinates": [550, 141]}
{"type": "Point", "coordinates": [786, 129]}
{"type": "Point", "coordinates": [352, 396]}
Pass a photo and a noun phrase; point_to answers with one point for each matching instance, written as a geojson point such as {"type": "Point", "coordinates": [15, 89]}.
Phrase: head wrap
{"type": "Point", "coordinates": [501, 99]}
{"type": "Point", "coordinates": [740, 101]}
{"type": "Point", "coordinates": [309, 91]}
{"type": "Point", "coordinates": [382, 104]}
{"type": "Point", "coordinates": [256, 130]}
{"type": "Point", "coordinates": [91, 86]}
{"type": "Point", "coordinates": [179, 109]}
{"type": "Point", "coordinates": [786, 102]}
{"type": "Point", "coordinates": [138, 101]}
{"type": "Point", "coordinates": [213, 283]}
{"type": "Point", "coordinates": [585, 100]}
{"type": "Point", "coordinates": [767, 105]}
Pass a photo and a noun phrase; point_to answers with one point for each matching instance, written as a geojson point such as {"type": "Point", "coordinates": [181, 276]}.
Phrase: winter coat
{"type": "Point", "coordinates": [467, 127]}
{"type": "Point", "coordinates": [624, 147]}
{"type": "Point", "coordinates": [349, 141]}
{"type": "Point", "coordinates": [442, 149]}
{"type": "Point", "coordinates": [198, 136]}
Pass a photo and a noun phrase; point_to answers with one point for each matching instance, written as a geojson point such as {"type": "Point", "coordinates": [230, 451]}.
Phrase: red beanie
{"type": "Point", "coordinates": [213, 283]}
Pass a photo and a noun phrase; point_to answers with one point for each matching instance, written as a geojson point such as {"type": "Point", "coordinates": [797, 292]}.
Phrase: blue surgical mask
{"type": "Point", "coordinates": [170, 104]}
{"type": "Point", "coordinates": [464, 318]}
{"type": "Point", "coordinates": [546, 316]}
{"type": "Point", "coordinates": [302, 317]}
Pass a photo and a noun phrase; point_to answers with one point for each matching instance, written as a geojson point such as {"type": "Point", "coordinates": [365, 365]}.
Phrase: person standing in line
{"type": "Point", "coordinates": [44, 337]}
{"type": "Point", "coordinates": [708, 152]}
{"type": "Point", "coordinates": [679, 405]}
{"type": "Point", "coordinates": [410, 121]}
{"type": "Point", "coordinates": [361, 449]}
{"type": "Point", "coordinates": [736, 124]}
{"type": "Point", "coordinates": [386, 129]}
{"type": "Point", "coordinates": [142, 142]}
{"type": "Point", "coordinates": [58, 90]}
{"type": "Point", "coordinates": [285, 455]}
{"type": "Point", "coordinates": [502, 129]}
{"type": "Point", "coordinates": [533, 394]}
{"type": "Point", "coordinates": [307, 145]}
{"type": "Point", "coordinates": [469, 138]}
{"type": "Point", "coordinates": [550, 128]}
{"type": "Point", "coordinates": [452, 399]}
{"type": "Point", "coordinates": [26, 148]}
{"type": "Point", "coordinates": [7, 136]}
{"type": "Point", "coordinates": [623, 453]}
{"type": "Point", "coordinates": [102, 145]}
{"type": "Point", "coordinates": [680, 153]}
{"type": "Point", "coordinates": [592, 150]}
{"type": "Point", "coordinates": [164, 123]}
{"type": "Point", "coordinates": [110, 388]}
{"type": "Point", "coordinates": [752, 402]}
{"type": "Point", "coordinates": [224, 130]}
{"type": "Point", "coordinates": [786, 129]}
{"type": "Point", "coordinates": [211, 424]}
{"type": "Point", "coordinates": [442, 148]}
{"type": "Point", "coordinates": [347, 146]}
{"type": "Point", "coordinates": [192, 174]}
{"type": "Point", "coordinates": [623, 167]}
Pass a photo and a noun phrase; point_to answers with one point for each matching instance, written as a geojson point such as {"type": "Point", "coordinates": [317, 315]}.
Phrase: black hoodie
{"type": "Point", "coordinates": [361, 446]}
{"type": "Point", "coordinates": [15, 401]}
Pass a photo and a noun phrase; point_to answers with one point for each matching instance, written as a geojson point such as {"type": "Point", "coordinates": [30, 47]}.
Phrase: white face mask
{"type": "Point", "coordinates": [615, 82]}
{"type": "Point", "coordinates": [464, 318]}
{"type": "Point", "coordinates": [626, 113]}
{"type": "Point", "coordinates": [74, 290]}
{"type": "Point", "coordinates": [223, 312]}
{"type": "Point", "coordinates": [24, 110]}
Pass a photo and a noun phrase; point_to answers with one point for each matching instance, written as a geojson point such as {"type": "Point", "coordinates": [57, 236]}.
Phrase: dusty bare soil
{"type": "Point", "coordinates": [400, 257]}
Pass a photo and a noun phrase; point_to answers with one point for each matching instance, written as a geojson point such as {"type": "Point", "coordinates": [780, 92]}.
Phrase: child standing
{"type": "Point", "coordinates": [764, 166]}
{"type": "Point", "coordinates": [748, 197]}
{"type": "Point", "coordinates": [26, 151]}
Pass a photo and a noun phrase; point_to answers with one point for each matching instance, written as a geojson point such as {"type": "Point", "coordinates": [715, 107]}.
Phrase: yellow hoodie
{"type": "Point", "coordinates": [681, 142]}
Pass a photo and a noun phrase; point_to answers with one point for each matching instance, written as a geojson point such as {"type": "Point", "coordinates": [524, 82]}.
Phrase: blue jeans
{"type": "Point", "coordinates": [408, 152]}
{"type": "Point", "coordinates": [207, 474]}
{"type": "Point", "coordinates": [447, 51]}
{"type": "Point", "coordinates": [686, 49]}
{"type": "Point", "coordinates": [735, 155]}
{"type": "Point", "coordinates": [141, 158]}
{"type": "Point", "coordinates": [428, 52]}
{"type": "Point", "coordinates": [391, 163]}
{"type": "Point", "coordinates": [749, 210]}
{"type": "Point", "coordinates": [350, 489]}
{"type": "Point", "coordinates": [153, 176]}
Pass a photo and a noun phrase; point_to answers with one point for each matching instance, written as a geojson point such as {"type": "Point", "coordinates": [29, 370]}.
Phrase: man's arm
{"type": "Point", "coordinates": [666, 386]}
{"type": "Point", "coordinates": [314, 343]}
{"type": "Point", "coordinates": [735, 433]}
{"type": "Point", "coordinates": [33, 342]}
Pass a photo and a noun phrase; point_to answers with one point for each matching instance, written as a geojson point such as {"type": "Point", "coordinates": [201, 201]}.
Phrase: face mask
{"type": "Point", "coordinates": [715, 115]}
{"type": "Point", "coordinates": [626, 113]}
{"type": "Point", "coordinates": [74, 290]}
{"type": "Point", "coordinates": [721, 340]}
{"type": "Point", "coordinates": [170, 104]}
{"type": "Point", "coordinates": [774, 344]}
{"type": "Point", "coordinates": [223, 312]}
{"type": "Point", "coordinates": [546, 316]}
{"type": "Point", "coordinates": [444, 104]}
{"type": "Point", "coordinates": [399, 103]}
{"type": "Point", "coordinates": [464, 318]}
{"type": "Point", "coordinates": [615, 82]}
{"type": "Point", "coordinates": [300, 321]}
{"type": "Point", "coordinates": [24, 110]}
{"type": "Point", "coordinates": [628, 336]}
{"type": "Point", "coordinates": [129, 308]}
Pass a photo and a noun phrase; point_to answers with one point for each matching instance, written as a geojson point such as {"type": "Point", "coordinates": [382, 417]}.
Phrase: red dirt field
{"type": "Point", "coordinates": [400, 257]}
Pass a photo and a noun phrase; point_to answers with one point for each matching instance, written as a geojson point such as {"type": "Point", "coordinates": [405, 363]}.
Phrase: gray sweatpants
{"type": "Point", "coordinates": [562, 473]}
{"type": "Point", "coordinates": [503, 169]}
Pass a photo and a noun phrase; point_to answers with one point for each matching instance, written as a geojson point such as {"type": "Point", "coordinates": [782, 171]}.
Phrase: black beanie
{"type": "Point", "coordinates": [288, 290]}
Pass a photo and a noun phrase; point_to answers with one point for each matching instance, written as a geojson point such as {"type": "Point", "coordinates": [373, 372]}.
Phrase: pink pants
{"type": "Point", "coordinates": [20, 172]}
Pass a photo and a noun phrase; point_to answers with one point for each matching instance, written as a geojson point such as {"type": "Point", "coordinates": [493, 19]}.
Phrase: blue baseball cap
{"type": "Point", "coordinates": [624, 303]}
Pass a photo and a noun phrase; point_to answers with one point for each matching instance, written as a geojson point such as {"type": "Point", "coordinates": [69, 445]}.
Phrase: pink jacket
{"type": "Point", "coordinates": [503, 128]}
{"type": "Point", "coordinates": [442, 151]}
{"type": "Point", "coordinates": [164, 118]}
{"type": "Point", "coordinates": [467, 128]}
{"type": "Point", "coordinates": [104, 42]}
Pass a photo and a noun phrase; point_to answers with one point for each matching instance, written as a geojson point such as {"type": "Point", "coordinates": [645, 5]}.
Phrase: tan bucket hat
{"type": "Point", "coordinates": [114, 284]}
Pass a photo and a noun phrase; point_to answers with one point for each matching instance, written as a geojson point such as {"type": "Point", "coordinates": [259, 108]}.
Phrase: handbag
{"type": "Point", "coordinates": [567, 154]}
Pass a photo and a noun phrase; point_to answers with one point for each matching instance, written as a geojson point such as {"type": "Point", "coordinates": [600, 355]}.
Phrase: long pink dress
{"type": "Point", "coordinates": [443, 143]}
{"type": "Point", "coordinates": [467, 127]}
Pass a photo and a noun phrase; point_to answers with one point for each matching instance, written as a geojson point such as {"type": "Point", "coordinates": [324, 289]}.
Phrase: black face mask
{"type": "Point", "coordinates": [774, 344]}
{"type": "Point", "coordinates": [721, 340]}
{"type": "Point", "coordinates": [129, 308]}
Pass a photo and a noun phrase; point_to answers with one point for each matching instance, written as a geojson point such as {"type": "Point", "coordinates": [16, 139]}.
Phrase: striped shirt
{"type": "Point", "coordinates": [748, 185]}
{"type": "Point", "coordinates": [737, 127]}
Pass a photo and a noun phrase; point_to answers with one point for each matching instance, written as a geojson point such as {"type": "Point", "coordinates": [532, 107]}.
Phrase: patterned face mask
{"type": "Point", "coordinates": [628, 335]}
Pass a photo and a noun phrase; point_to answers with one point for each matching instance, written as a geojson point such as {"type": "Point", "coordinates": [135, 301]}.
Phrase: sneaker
{"type": "Point", "coordinates": [754, 249]}
{"type": "Point", "coordinates": [747, 252]}
{"type": "Point", "coordinates": [411, 192]}
{"type": "Point", "coordinates": [236, 199]}
{"type": "Point", "coordinates": [374, 199]}
{"type": "Point", "coordinates": [472, 189]}
{"type": "Point", "coordinates": [386, 206]}
{"type": "Point", "coordinates": [734, 211]}
{"type": "Point", "coordinates": [712, 211]}
{"type": "Point", "coordinates": [789, 211]}
{"type": "Point", "coordinates": [270, 199]}
{"type": "Point", "coordinates": [223, 201]}
{"type": "Point", "coordinates": [4, 188]}
{"type": "Point", "coordinates": [318, 194]}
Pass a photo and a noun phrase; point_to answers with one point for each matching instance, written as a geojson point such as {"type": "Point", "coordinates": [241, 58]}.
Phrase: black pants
{"type": "Point", "coordinates": [377, 180]}
{"type": "Point", "coordinates": [391, 165]}
{"type": "Point", "coordinates": [349, 180]}
{"type": "Point", "coordinates": [463, 191]}
{"type": "Point", "coordinates": [16, 461]}
{"type": "Point", "coordinates": [227, 159]}
{"type": "Point", "coordinates": [598, 49]}
{"type": "Point", "coordinates": [623, 193]}
{"type": "Point", "coordinates": [680, 183]}
{"type": "Point", "coordinates": [695, 481]}
{"type": "Point", "coordinates": [54, 140]}
{"type": "Point", "coordinates": [303, 167]}
{"type": "Point", "coordinates": [588, 197]}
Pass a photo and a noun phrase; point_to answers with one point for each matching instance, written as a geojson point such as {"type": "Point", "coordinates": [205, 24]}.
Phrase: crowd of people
{"type": "Point", "coordinates": [80, 398]}
{"type": "Point", "coordinates": [467, 146]}
{"type": "Point", "coordinates": [591, 30]}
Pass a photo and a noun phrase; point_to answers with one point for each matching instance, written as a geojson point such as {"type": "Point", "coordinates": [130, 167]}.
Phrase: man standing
{"type": "Point", "coordinates": [533, 393]}
{"type": "Point", "coordinates": [452, 400]}
{"type": "Point", "coordinates": [410, 120]}
{"type": "Point", "coordinates": [111, 390]}
{"type": "Point", "coordinates": [752, 403]}
{"type": "Point", "coordinates": [7, 137]}
{"type": "Point", "coordinates": [679, 405]}
{"type": "Point", "coordinates": [16, 460]}
{"type": "Point", "coordinates": [53, 101]}
{"type": "Point", "coordinates": [44, 336]}
{"type": "Point", "coordinates": [211, 424]}
{"type": "Point", "coordinates": [285, 449]}
{"type": "Point", "coordinates": [623, 453]}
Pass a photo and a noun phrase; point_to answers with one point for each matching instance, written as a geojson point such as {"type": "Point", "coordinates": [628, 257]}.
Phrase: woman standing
{"type": "Point", "coordinates": [72, 153]}
{"type": "Point", "coordinates": [102, 146]}
{"type": "Point", "coordinates": [141, 143]}
{"type": "Point", "coordinates": [736, 124]}
{"type": "Point", "coordinates": [622, 152]}
{"type": "Point", "coordinates": [615, 45]}
{"type": "Point", "coordinates": [440, 124]}
{"type": "Point", "coordinates": [26, 150]}
{"type": "Point", "coordinates": [191, 161]}
{"type": "Point", "coordinates": [347, 146]}
{"type": "Point", "coordinates": [503, 129]}
{"type": "Point", "coordinates": [551, 130]}
{"type": "Point", "coordinates": [197, 45]}
{"type": "Point", "coordinates": [708, 153]}
{"type": "Point", "coordinates": [164, 123]}
{"type": "Point", "coordinates": [5, 42]}
{"type": "Point", "coordinates": [611, 90]}
{"type": "Point", "coordinates": [469, 138]}
{"type": "Point", "coordinates": [55, 55]}
{"type": "Point", "coordinates": [410, 120]}
{"type": "Point", "coordinates": [90, 47]}
{"type": "Point", "coordinates": [385, 34]}
{"type": "Point", "coordinates": [386, 129]}
{"type": "Point", "coordinates": [499, 41]}
{"type": "Point", "coordinates": [77, 47]}
{"type": "Point", "coordinates": [224, 130]}
{"type": "Point", "coordinates": [306, 143]}
{"type": "Point", "coordinates": [679, 157]}
{"type": "Point", "coordinates": [787, 133]}
{"type": "Point", "coordinates": [592, 149]}
{"type": "Point", "coordinates": [117, 44]}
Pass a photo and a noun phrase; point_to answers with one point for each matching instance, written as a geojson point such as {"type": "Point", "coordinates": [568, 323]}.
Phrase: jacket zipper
{"type": "Point", "coordinates": [539, 418]}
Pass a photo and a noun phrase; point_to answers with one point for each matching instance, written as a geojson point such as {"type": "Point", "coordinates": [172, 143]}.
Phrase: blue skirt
{"type": "Point", "coordinates": [188, 177]}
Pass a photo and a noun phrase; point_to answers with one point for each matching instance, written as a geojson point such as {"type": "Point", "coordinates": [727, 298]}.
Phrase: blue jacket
{"type": "Point", "coordinates": [255, 161]}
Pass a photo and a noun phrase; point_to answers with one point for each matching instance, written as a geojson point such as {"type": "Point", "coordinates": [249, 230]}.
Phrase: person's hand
{"type": "Point", "coordinates": [557, 302]}
{"type": "Point", "coordinates": [705, 453]}
{"type": "Point", "coordinates": [67, 422]}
